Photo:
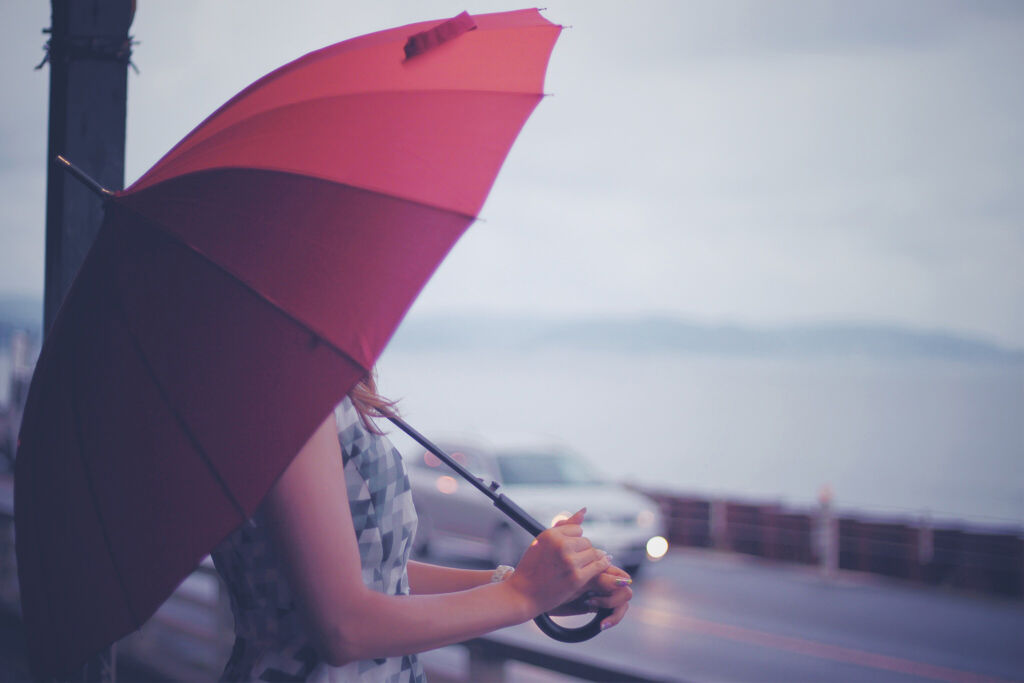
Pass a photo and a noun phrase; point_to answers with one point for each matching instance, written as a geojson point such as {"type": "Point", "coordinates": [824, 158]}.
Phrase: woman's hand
{"type": "Point", "coordinates": [558, 566]}
{"type": "Point", "coordinates": [609, 589]}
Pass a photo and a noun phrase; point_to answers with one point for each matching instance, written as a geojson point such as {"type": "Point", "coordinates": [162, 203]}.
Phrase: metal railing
{"type": "Point", "coordinates": [966, 556]}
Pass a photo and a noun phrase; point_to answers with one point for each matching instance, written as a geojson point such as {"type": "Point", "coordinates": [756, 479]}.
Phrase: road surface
{"type": "Point", "coordinates": [705, 616]}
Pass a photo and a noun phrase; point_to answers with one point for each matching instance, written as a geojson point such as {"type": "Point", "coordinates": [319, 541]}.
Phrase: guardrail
{"type": "Point", "coordinates": [965, 556]}
{"type": "Point", "coordinates": [190, 636]}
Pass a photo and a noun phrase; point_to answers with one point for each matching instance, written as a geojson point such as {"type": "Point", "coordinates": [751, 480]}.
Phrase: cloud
{"type": "Point", "coordinates": [727, 160]}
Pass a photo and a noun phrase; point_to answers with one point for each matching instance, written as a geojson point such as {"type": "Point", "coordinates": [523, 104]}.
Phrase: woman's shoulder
{"type": "Point", "coordinates": [345, 415]}
{"type": "Point", "coordinates": [353, 435]}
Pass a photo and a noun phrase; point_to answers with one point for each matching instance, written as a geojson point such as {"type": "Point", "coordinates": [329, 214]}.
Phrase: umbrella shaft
{"type": "Point", "coordinates": [501, 501]}
{"type": "Point", "coordinates": [443, 457]}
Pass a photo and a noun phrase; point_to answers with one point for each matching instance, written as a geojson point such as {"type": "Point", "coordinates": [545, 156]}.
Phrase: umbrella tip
{"type": "Point", "coordinates": [82, 177]}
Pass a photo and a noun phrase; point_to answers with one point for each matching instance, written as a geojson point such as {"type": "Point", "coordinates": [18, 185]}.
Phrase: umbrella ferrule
{"type": "Point", "coordinates": [83, 177]}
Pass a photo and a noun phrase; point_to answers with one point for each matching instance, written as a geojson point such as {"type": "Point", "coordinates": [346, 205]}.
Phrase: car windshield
{"type": "Point", "coordinates": [545, 468]}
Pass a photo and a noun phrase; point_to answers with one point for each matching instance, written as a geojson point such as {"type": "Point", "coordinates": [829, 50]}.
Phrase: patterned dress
{"type": "Point", "coordinates": [271, 643]}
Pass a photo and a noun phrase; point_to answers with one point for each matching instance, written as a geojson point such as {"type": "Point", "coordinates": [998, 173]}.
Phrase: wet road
{"type": "Point", "coordinates": [703, 616]}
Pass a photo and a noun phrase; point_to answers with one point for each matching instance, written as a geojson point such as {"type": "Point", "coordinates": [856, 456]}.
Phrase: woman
{"type": "Point", "coordinates": [320, 582]}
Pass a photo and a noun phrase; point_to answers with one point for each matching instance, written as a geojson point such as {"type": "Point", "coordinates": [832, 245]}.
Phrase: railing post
{"type": "Point", "coordinates": [828, 533]}
{"type": "Point", "coordinates": [719, 525]}
{"type": "Point", "coordinates": [925, 541]}
{"type": "Point", "coordinates": [484, 665]}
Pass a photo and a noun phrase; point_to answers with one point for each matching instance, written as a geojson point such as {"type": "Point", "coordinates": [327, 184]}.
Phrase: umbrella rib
{"type": "Point", "coordinates": [176, 239]}
{"type": "Point", "coordinates": [178, 417]}
{"type": "Point", "coordinates": [90, 485]}
{"type": "Point", "coordinates": [192, 438]}
{"type": "Point", "coordinates": [298, 173]}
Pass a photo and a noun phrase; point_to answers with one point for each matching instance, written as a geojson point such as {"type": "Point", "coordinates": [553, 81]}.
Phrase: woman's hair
{"type": "Point", "coordinates": [370, 404]}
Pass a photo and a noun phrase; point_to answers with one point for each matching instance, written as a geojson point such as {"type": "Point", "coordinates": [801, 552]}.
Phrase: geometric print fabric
{"type": "Point", "coordinates": [270, 639]}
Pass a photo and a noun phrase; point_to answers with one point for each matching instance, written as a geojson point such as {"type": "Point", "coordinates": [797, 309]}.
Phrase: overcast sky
{"type": "Point", "coordinates": [724, 161]}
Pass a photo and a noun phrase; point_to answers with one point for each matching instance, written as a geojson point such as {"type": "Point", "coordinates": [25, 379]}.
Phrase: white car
{"type": "Point", "coordinates": [548, 482]}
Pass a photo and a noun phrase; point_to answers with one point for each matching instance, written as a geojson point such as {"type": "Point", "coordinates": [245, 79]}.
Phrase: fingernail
{"type": "Point", "coordinates": [623, 582]}
{"type": "Point", "coordinates": [605, 625]}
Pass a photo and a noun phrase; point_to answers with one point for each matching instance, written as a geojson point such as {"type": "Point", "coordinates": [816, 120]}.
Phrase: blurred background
{"type": "Point", "coordinates": [749, 254]}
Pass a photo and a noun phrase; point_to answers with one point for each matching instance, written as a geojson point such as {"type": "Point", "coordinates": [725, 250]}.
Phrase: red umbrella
{"type": "Point", "coordinates": [235, 294]}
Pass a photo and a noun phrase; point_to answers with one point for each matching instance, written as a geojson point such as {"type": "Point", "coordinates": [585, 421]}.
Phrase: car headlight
{"type": "Point", "coordinates": [657, 546]}
{"type": "Point", "coordinates": [645, 518]}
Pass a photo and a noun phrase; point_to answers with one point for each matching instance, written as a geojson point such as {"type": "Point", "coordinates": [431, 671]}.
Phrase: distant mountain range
{"type": "Point", "coordinates": [644, 335]}
{"type": "Point", "coordinates": [668, 335]}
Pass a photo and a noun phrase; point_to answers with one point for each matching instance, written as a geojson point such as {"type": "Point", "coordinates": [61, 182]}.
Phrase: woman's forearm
{"type": "Point", "coordinates": [309, 521]}
{"type": "Point", "coordinates": [378, 625]}
{"type": "Point", "coordinates": [426, 579]}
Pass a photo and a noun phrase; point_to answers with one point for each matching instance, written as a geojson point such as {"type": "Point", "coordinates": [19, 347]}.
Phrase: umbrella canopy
{"type": "Point", "coordinates": [235, 294]}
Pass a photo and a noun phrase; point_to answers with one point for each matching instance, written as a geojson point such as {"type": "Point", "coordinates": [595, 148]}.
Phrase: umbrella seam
{"type": "Point", "coordinates": [174, 238]}
{"type": "Point", "coordinates": [296, 174]}
{"type": "Point", "coordinates": [178, 417]}
{"type": "Point", "coordinates": [90, 484]}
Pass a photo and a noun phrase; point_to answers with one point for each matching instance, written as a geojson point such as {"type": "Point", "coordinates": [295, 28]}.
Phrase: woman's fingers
{"type": "Point", "coordinates": [610, 580]}
{"type": "Point", "coordinates": [590, 600]}
{"type": "Point", "coordinates": [612, 600]}
{"type": "Point", "coordinates": [551, 572]}
{"type": "Point", "coordinates": [566, 529]}
{"type": "Point", "coordinates": [589, 556]}
{"type": "Point", "coordinates": [575, 518]}
{"type": "Point", "coordinates": [615, 617]}
{"type": "Point", "coordinates": [577, 544]}
{"type": "Point", "coordinates": [616, 573]}
{"type": "Point", "coordinates": [565, 540]}
{"type": "Point", "coordinates": [591, 563]}
{"type": "Point", "coordinates": [562, 571]}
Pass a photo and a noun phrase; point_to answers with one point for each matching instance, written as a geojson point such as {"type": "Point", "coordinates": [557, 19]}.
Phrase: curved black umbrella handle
{"type": "Point", "coordinates": [544, 622]}
{"type": "Point", "coordinates": [523, 519]}
{"type": "Point", "coordinates": [572, 635]}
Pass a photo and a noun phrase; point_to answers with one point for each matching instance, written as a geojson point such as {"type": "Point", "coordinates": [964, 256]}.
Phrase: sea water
{"type": "Point", "coordinates": [919, 438]}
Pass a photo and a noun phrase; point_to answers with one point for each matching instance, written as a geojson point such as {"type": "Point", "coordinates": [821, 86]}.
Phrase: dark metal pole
{"type": "Point", "coordinates": [89, 52]}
